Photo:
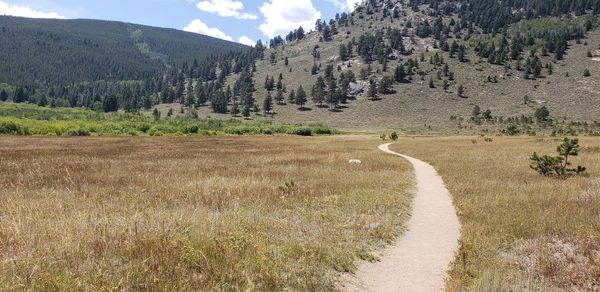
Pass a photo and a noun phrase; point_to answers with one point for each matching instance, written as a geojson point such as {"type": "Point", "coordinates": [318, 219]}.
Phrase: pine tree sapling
{"type": "Point", "coordinates": [558, 165]}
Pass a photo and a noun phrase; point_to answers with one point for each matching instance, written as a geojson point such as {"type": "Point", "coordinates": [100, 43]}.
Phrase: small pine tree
{"type": "Point", "coordinates": [235, 109]}
{"type": "Point", "coordinates": [372, 92]}
{"type": "Point", "coordinates": [460, 90]}
{"type": "Point", "coordinates": [558, 165]}
{"type": "Point", "coordinates": [292, 97]}
{"type": "Point", "coordinates": [3, 95]}
{"type": "Point", "coordinates": [279, 97]}
{"type": "Point", "coordinates": [301, 97]}
{"type": "Point", "coordinates": [156, 114]}
{"type": "Point", "coordinates": [315, 69]}
{"type": "Point", "coordinates": [110, 104]}
{"type": "Point", "coordinates": [268, 104]}
{"type": "Point", "coordinates": [542, 114]}
{"type": "Point", "coordinates": [43, 101]}
{"type": "Point", "coordinates": [400, 74]}
{"type": "Point", "coordinates": [246, 111]}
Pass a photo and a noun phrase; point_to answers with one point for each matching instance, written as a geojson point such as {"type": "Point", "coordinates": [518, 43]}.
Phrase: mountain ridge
{"type": "Point", "coordinates": [108, 49]}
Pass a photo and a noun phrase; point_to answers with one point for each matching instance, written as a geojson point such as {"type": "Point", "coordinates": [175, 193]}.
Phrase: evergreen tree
{"type": "Point", "coordinates": [20, 95]}
{"type": "Point", "coordinates": [267, 104]}
{"type": "Point", "coordinates": [586, 73]}
{"type": "Point", "coordinates": [3, 95]}
{"type": "Point", "coordinates": [235, 109]}
{"type": "Point", "coordinates": [343, 52]}
{"type": "Point", "coordinates": [385, 85]}
{"type": "Point", "coordinates": [292, 97]}
{"type": "Point", "coordinates": [301, 97]}
{"type": "Point", "coordinates": [315, 69]}
{"type": "Point", "coordinates": [326, 33]}
{"type": "Point", "coordinates": [43, 101]}
{"type": "Point", "coordinates": [218, 102]}
{"type": "Point", "coordinates": [156, 114]}
{"type": "Point", "coordinates": [110, 104]}
{"type": "Point", "coordinates": [279, 97]}
{"type": "Point", "coordinates": [332, 94]}
{"type": "Point", "coordinates": [460, 90]}
{"type": "Point", "coordinates": [372, 92]}
{"type": "Point", "coordinates": [399, 74]}
{"type": "Point", "coordinates": [246, 111]}
{"type": "Point", "coordinates": [201, 95]}
{"type": "Point", "coordinates": [318, 91]}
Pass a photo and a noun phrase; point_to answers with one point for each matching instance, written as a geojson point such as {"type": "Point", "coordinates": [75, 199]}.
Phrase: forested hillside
{"type": "Point", "coordinates": [51, 51]}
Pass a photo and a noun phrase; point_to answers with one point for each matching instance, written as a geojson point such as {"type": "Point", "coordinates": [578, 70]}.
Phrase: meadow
{"type": "Point", "coordinates": [189, 213]}
{"type": "Point", "coordinates": [520, 231]}
{"type": "Point", "coordinates": [28, 120]}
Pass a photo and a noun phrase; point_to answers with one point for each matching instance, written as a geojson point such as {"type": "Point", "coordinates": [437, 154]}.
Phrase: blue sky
{"type": "Point", "coordinates": [238, 20]}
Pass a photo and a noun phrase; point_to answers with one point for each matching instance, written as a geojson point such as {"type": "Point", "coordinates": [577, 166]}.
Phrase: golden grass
{"type": "Point", "coordinates": [519, 230]}
{"type": "Point", "coordinates": [193, 213]}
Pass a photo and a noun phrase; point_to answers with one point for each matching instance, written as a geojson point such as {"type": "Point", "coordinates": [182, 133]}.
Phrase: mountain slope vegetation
{"type": "Point", "coordinates": [63, 51]}
{"type": "Point", "coordinates": [448, 63]}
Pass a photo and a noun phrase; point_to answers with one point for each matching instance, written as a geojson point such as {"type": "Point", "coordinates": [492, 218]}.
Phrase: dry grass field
{"type": "Point", "coordinates": [520, 231]}
{"type": "Point", "coordinates": [251, 213]}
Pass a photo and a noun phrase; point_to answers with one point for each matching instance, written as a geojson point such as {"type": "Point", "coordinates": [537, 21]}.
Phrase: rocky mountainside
{"type": "Point", "coordinates": [438, 67]}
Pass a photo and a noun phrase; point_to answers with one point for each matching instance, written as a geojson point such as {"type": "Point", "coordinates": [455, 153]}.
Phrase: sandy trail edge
{"type": "Point", "coordinates": [419, 260]}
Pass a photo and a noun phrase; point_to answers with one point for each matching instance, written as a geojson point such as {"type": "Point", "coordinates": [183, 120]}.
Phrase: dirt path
{"type": "Point", "coordinates": [420, 258]}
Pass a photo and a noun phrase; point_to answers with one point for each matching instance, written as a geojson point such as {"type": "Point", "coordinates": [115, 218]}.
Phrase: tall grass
{"type": "Point", "coordinates": [185, 213]}
{"type": "Point", "coordinates": [519, 229]}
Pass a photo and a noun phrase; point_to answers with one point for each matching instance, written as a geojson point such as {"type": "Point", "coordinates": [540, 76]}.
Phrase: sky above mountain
{"type": "Point", "coordinates": [243, 21]}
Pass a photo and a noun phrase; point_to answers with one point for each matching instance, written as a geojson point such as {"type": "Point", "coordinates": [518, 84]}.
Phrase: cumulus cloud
{"type": "Point", "coordinates": [345, 5]}
{"type": "Point", "coordinates": [26, 11]}
{"type": "Point", "coordinates": [246, 41]}
{"type": "Point", "coordinates": [351, 4]}
{"type": "Point", "coordinates": [197, 26]}
{"type": "Point", "coordinates": [225, 8]}
{"type": "Point", "coordinates": [282, 16]}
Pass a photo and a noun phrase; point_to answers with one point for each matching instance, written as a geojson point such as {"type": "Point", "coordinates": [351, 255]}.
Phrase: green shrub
{"type": "Point", "coordinates": [27, 119]}
{"type": "Point", "coordinates": [511, 130]}
{"type": "Point", "coordinates": [81, 132]}
{"type": "Point", "coordinates": [10, 128]}
{"type": "Point", "coordinates": [193, 129]}
{"type": "Point", "coordinates": [321, 130]}
{"type": "Point", "coordinates": [301, 131]}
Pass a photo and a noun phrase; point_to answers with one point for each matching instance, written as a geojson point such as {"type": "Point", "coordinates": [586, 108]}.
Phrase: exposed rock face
{"type": "Point", "coordinates": [358, 88]}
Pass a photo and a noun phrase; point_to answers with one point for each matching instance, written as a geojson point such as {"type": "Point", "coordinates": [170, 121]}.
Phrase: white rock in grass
{"type": "Point", "coordinates": [355, 162]}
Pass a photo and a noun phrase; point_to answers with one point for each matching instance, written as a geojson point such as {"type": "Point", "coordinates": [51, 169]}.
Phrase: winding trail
{"type": "Point", "coordinates": [420, 258]}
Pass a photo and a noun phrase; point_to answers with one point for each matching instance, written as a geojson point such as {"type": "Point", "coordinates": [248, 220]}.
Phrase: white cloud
{"type": "Point", "coordinates": [246, 41]}
{"type": "Point", "coordinates": [26, 11]}
{"type": "Point", "coordinates": [351, 4]}
{"type": "Point", "coordinates": [197, 26]}
{"type": "Point", "coordinates": [283, 16]}
{"type": "Point", "coordinates": [225, 8]}
{"type": "Point", "coordinates": [347, 5]}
